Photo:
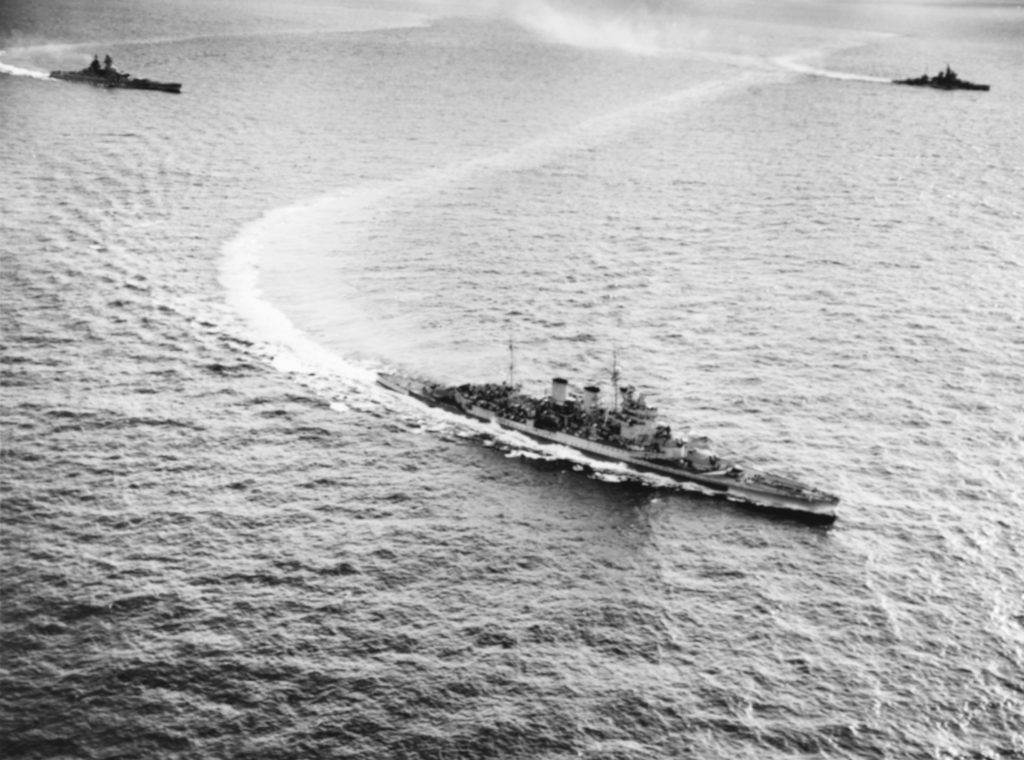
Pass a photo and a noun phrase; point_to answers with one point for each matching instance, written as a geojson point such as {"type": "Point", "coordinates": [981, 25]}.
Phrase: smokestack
{"type": "Point", "coordinates": [590, 394]}
{"type": "Point", "coordinates": [559, 390]}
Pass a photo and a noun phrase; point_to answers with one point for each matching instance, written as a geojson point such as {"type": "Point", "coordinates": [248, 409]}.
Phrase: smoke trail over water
{"type": "Point", "coordinates": [637, 30]}
{"type": "Point", "coordinates": [667, 27]}
{"type": "Point", "coordinates": [660, 27]}
{"type": "Point", "coordinates": [639, 27]}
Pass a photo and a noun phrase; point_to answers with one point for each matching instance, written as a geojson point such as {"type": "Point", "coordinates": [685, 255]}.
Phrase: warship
{"type": "Point", "coordinates": [628, 431]}
{"type": "Point", "coordinates": [944, 80]}
{"type": "Point", "coordinates": [107, 76]}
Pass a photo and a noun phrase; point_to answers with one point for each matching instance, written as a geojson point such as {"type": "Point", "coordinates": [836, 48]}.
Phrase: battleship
{"type": "Point", "coordinates": [944, 80]}
{"type": "Point", "coordinates": [628, 431]}
{"type": "Point", "coordinates": [107, 76]}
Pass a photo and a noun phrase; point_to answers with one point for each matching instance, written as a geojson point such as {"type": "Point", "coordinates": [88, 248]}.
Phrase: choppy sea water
{"type": "Point", "coordinates": [221, 539]}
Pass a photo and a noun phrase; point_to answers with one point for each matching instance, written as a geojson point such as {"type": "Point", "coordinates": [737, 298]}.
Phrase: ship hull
{"type": "Point", "coordinates": [820, 508]}
{"type": "Point", "coordinates": [124, 83]}
{"type": "Point", "coordinates": [957, 85]}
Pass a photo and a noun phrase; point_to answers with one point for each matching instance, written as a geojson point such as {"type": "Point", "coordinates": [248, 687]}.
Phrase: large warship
{"type": "Point", "coordinates": [627, 431]}
{"type": "Point", "coordinates": [944, 80]}
{"type": "Point", "coordinates": [107, 76]}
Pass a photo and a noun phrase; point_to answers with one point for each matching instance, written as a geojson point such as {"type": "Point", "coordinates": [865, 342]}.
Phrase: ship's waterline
{"type": "Point", "coordinates": [629, 433]}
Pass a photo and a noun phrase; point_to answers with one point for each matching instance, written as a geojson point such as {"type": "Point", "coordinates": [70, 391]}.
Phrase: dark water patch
{"type": "Point", "coordinates": [617, 640]}
{"type": "Point", "coordinates": [162, 422]}
{"type": "Point", "coordinates": [285, 399]}
{"type": "Point", "coordinates": [10, 357]}
{"type": "Point", "coordinates": [274, 413]}
{"type": "Point", "coordinates": [860, 739]}
{"type": "Point", "coordinates": [21, 644]}
{"type": "Point", "coordinates": [231, 370]}
{"type": "Point", "coordinates": [231, 339]}
{"type": "Point", "coordinates": [642, 714]}
{"type": "Point", "coordinates": [112, 419]}
{"type": "Point", "coordinates": [122, 608]}
{"type": "Point", "coordinates": [263, 579]}
{"type": "Point", "coordinates": [310, 433]}
{"type": "Point", "coordinates": [323, 482]}
{"type": "Point", "coordinates": [74, 612]}
{"type": "Point", "coordinates": [32, 742]}
{"type": "Point", "coordinates": [374, 641]}
{"type": "Point", "coordinates": [546, 633]}
{"type": "Point", "coordinates": [70, 495]}
{"type": "Point", "coordinates": [67, 414]}
{"type": "Point", "coordinates": [50, 341]}
{"type": "Point", "coordinates": [342, 568]}
{"type": "Point", "coordinates": [20, 378]}
{"type": "Point", "coordinates": [20, 455]}
{"type": "Point", "coordinates": [490, 635]}
{"type": "Point", "coordinates": [134, 603]}
{"type": "Point", "coordinates": [808, 742]}
{"type": "Point", "coordinates": [541, 734]}
{"type": "Point", "coordinates": [722, 572]}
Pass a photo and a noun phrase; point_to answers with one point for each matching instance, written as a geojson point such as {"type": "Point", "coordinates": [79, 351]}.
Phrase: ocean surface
{"type": "Point", "coordinates": [220, 539]}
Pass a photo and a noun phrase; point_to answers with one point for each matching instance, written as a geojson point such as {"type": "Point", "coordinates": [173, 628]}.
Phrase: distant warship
{"type": "Point", "coordinates": [107, 76]}
{"type": "Point", "coordinates": [944, 80]}
{"type": "Point", "coordinates": [628, 432]}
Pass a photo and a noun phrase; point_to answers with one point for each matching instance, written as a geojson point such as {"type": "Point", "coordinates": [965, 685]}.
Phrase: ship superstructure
{"type": "Point", "coordinates": [109, 77]}
{"type": "Point", "coordinates": [628, 431]}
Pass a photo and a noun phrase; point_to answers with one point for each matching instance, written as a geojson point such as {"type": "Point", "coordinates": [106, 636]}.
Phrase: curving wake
{"type": "Point", "coordinates": [791, 63]}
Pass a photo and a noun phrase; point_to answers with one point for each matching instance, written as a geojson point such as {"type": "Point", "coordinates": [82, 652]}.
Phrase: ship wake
{"type": "Point", "coordinates": [792, 63]}
{"type": "Point", "coordinates": [17, 71]}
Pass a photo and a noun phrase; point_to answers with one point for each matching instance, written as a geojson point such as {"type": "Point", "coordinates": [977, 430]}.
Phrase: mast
{"type": "Point", "coordinates": [511, 364]}
{"type": "Point", "coordinates": [615, 380]}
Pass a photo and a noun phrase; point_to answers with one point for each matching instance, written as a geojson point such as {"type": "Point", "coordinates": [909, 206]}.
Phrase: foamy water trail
{"type": "Point", "coordinates": [288, 348]}
{"type": "Point", "coordinates": [792, 63]}
{"type": "Point", "coordinates": [351, 384]}
{"type": "Point", "coordinates": [348, 383]}
{"type": "Point", "coordinates": [17, 71]}
{"type": "Point", "coordinates": [349, 215]}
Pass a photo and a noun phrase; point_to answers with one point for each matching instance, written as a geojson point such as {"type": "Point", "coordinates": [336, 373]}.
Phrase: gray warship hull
{"type": "Point", "coordinates": [119, 82]}
{"type": "Point", "coordinates": [745, 485]}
